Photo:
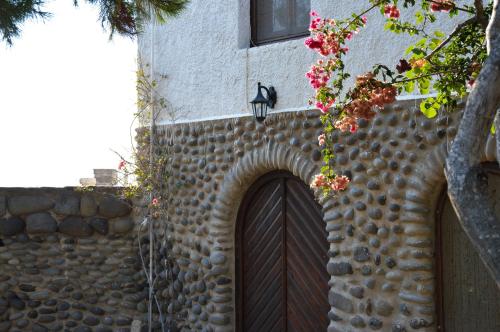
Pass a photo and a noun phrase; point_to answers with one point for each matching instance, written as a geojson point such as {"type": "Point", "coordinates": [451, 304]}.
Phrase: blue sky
{"type": "Point", "coordinates": [67, 97]}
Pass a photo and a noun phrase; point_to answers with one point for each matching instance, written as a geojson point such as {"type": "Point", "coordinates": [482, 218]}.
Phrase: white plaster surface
{"type": "Point", "coordinates": [211, 72]}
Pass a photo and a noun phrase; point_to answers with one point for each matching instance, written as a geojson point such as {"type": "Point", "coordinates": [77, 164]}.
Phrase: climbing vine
{"type": "Point", "coordinates": [445, 64]}
{"type": "Point", "coordinates": [147, 177]}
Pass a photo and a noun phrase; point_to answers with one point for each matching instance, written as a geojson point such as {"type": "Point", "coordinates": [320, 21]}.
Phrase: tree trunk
{"type": "Point", "coordinates": [467, 182]}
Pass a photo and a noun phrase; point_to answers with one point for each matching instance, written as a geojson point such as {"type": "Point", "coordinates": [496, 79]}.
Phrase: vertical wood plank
{"type": "Point", "coordinates": [470, 298]}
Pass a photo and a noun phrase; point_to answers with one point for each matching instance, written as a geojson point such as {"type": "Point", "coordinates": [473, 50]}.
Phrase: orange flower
{"type": "Point", "coordinates": [418, 63]}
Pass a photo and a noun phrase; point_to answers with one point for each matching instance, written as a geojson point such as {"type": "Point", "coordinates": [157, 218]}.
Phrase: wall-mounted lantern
{"type": "Point", "coordinates": [260, 103]}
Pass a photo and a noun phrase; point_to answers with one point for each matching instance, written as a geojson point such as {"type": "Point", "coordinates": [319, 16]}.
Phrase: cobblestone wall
{"type": "Point", "coordinates": [68, 261]}
{"type": "Point", "coordinates": [381, 230]}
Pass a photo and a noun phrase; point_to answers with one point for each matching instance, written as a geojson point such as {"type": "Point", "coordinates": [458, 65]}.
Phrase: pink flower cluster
{"type": "Point", "coordinates": [324, 38]}
{"type": "Point", "coordinates": [338, 183]}
{"type": "Point", "coordinates": [442, 5]}
{"type": "Point", "coordinates": [347, 123]}
{"type": "Point", "coordinates": [325, 107]}
{"type": "Point", "coordinates": [318, 76]}
{"type": "Point", "coordinates": [321, 140]}
{"type": "Point", "coordinates": [391, 11]}
{"type": "Point", "coordinates": [368, 93]}
{"type": "Point", "coordinates": [122, 164]}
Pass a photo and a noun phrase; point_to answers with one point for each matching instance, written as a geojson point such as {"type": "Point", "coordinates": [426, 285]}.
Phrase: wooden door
{"type": "Point", "coordinates": [281, 258]}
{"type": "Point", "coordinates": [469, 300]}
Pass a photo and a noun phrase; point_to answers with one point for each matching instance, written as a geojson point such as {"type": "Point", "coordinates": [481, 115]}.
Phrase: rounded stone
{"type": "Point", "coordinates": [339, 269]}
{"type": "Point", "coordinates": [39, 328]}
{"type": "Point", "coordinates": [100, 225]}
{"type": "Point", "coordinates": [76, 315]}
{"type": "Point", "coordinates": [40, 223]}
{"type": "Point", "coordinates": [88, 205]}
{"type": "Point", "coordinates": [217, 258]}
{"type": "Point", "coordinates": [121, 225]}
{"type": "Point", "coordinates": [361, 254]}
{"type": "Point", "coordinates": [357, 292]}
{"type": "Point", "coordinates": [316, 155]}
{"type": "Point", "coordinates": [383, 308]}
{"type": "Point", "coordinates": [112, 207]}
{"type": "Point", "coordinates": [375, 324]}
{"type": "Point", "coordinates": [91, 321]}
{"type": "Point", "coordinates": [108, 320]}
{"type": "Point", "coordinates": [357, 321]}
{"type": "Point", "coordinates": [11, 226]}
{"type": "Point", "coordinates": [75, 226]}
{"type": "Point", "coordinates": [375, 213]}
{"type": "Point", "coordinates": [18, 205]}
{"type": "Point", "coordinates": [22, 323]}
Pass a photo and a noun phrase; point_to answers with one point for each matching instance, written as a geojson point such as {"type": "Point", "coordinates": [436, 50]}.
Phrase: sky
{"type": "Point", "coordinates": [67, 99]}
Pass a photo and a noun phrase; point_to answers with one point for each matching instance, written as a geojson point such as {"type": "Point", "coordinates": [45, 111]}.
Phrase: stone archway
{"type": "Point", "coordinates": [271, 157]}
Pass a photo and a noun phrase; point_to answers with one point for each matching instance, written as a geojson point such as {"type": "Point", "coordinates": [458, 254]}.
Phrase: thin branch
{"type": "Point", "coordinates": [422, 76]}
{"type": "Point", "coordinates": [360, 15]}
{"type": "Point", "coordinates": [454, 7]}
{"type": "Point", "coordinates": [481, 16]}
{"type": "Point", "coordinates": [451, 36]}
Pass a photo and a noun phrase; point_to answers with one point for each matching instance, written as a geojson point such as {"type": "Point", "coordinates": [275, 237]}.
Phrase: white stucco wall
{"type": "Point", "coordinates": [211, 72]}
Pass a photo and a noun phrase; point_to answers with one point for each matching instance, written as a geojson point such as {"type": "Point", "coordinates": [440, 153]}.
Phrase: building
{"type": "Point", "coordinates": [253, 249]}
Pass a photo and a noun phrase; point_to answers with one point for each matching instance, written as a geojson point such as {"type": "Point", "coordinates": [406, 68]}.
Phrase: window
{"type": "Point", "coordinates": [274, 20]}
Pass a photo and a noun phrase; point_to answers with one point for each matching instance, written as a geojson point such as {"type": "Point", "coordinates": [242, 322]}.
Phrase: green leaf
{"type": "Point", "coordinates": [409, 86]}
{"type": "Point", "coordinates": [428, 107]}
{"type": "Point", "coordinates": [439, 34]}
{"type": "Point", "coordinates": [419, 17]}
{"type": "Point", "coordinates": [429, 112]}
{"type": "Point", "coordinates": [493, 129]}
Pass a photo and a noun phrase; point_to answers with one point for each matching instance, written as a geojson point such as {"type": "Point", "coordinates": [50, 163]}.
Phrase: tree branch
{"type": "Point", "coordinates": [493, 29]}
{"type": "Point", "coordinates": [451, 36]}
{"type": "Point", "coordinates": [481, 17]}
{"type": "Point", "coordinates": [467, 182]}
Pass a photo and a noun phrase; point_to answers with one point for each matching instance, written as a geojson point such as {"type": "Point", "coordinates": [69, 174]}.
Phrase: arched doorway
{"type": "Point", "coordinates": [468, 298]}
{"type": "Point", "coordinates": [281, 257]}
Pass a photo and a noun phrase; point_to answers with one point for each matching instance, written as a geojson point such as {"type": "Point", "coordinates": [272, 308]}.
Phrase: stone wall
{"type": "Point", "coordinates": [68, 261]}
{"type": "Point", "coordinates": [381, 230]}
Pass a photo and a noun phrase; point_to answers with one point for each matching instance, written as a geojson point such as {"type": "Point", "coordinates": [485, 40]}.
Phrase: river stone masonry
{"type": "Point", "coordinates": [69, 261]}
{"type": "Point", "coordinates": [380, 230]}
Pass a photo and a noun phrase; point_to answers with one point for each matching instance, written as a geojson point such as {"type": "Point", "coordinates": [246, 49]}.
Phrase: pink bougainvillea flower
{"type": "Point", "coordinates": [391, 11]}
{"type": "Point", "coordinates": [339, 183]}
{"type": "Point", "coordinates": [442, 6]}
{"type": "Point", "coordinates": [321, 139]}
{"type": "Point", "coordinates": [319, 181]}
{"type": "Point", "coordinates": [325, 107]}
{"type": "Point", "coordinates": [122, 164]}
{"type": "Point", "coordinates": [155, 201]}
{"type": "Point", "coordinates": [313, 13]}
{"type": "Point", "coordinates": [313, 44]}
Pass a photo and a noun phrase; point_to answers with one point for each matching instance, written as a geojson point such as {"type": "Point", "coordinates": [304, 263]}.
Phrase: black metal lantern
{"type": "Point", "coordinates": [260, 103]}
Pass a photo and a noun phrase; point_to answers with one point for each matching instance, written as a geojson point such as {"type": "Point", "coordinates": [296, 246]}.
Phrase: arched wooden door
{"type": "Point", "coordinates": [468, 298]}
{"type": "Point", "coordinates": [282, 282]}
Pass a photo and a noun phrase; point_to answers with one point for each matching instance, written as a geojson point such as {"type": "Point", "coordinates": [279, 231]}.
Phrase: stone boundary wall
{"type": "Point", "coordinates": [380, 230]}
{"type": "Point", "coordinates": [68, 261]}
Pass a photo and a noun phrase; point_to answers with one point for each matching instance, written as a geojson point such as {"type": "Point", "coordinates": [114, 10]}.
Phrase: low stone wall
{"type": "Point", "coordinates": [68, 260]}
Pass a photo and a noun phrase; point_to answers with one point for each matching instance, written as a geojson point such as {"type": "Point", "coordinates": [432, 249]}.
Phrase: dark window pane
{"type": "Point", "coordinates": [279, 19]}
{"type": "Point", "coordinates": [281, 15]}
{"type": "Point", "coordinates": [302, 10]}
